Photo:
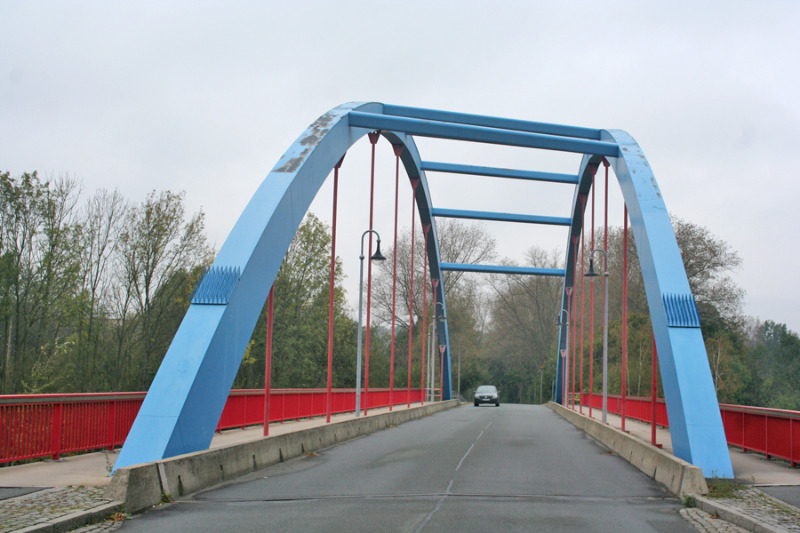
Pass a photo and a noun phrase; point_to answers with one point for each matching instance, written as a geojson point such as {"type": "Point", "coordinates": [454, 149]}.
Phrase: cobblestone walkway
{"type": "Point", "coordinates": [702, 521]}
{"type": "Point", "coordinates": [47, 505]}
{"type": "Point", "coordinates": [763, 508]}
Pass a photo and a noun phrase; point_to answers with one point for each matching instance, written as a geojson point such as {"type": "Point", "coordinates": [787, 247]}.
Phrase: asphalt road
{"type": "Point", "coordinates": [486, 469]}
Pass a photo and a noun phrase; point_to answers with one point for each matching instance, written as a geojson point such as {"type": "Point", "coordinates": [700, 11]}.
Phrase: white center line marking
{"type": "Point", "coordinates": [435, 509]}
{"type": "Point", "coordinates": [449, 485]}
{"type": "Point", "coordinates": [465, 456]}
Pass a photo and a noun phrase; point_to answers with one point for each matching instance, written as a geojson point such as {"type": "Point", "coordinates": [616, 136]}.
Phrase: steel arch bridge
{"type": "Point", "coordinates": [187, 396]}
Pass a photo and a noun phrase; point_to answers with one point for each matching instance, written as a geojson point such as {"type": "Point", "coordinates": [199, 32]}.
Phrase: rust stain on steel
{"type": "Point", "coordinates": [318, 129]}
{"type": "Point", "coordinates": [294, 163]}
{"type": "Point", "coordinates": [655, 186]}
{"type": "Point", "coordinates": [316, 132]}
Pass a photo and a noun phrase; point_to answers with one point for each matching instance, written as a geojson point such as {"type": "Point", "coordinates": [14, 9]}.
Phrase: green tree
{"type": "Point", "coordinates": [775, 365]}
{"type": "Point", "coordinates": [38, 273]}
{"type": "Point", "coordinates": [709, 262]}
{"type": "Point", "coordinates": [300, 324]}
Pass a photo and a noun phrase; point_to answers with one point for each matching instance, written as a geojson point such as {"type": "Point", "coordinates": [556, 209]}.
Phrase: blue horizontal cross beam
{"type": "Point", "coordinates": [493, 122]}
{"type": "Point", "coordinates": [503, 269]}
{"type": "Point", "coordinates": [468, 132]}
{"type": "Point", "coordinates": [553, 177]}
{"type": "Point", "coordinates": [501, 217]}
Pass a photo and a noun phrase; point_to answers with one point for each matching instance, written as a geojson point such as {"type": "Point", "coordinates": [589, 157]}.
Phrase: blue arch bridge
{"type": "Point", "coordinates": [186, 399]}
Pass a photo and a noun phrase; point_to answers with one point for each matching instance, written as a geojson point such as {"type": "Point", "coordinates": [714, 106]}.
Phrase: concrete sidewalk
{"type": "Point", "coordinates": [65, 494]}
{"type": "Point", "coordinates": [749, 468]}
{"type": "Point", "coordinates": [769, 499]}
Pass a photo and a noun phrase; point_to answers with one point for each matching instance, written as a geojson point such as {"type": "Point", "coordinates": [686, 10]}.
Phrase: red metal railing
{"type": "Point", "coordinates": [44, 425]}
{"type": "Point", "coordinates": [773, 432]}
{"type": "Point", "coordinates": [51, 424]}
{"type": "Point", "coordinates": [246, 407]}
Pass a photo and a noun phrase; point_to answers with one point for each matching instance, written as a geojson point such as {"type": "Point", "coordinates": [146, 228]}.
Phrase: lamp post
{"type": "Point", "coordinates": [432, 350]}
{"type": "Point", "coordinates": [564, 352]}
{"type": "Point", "coordinates": [459, 376]}
{"type": "Point", "coordinates": [431, 365]}
{"type": "Point", "coordinates": [591, 274]}
{"type": "Point", "coordinates": [432, 361]}
{"type": "Point", "coordinates": [541, 383]}
{"type": "Point", "coordinates": [377, 256]}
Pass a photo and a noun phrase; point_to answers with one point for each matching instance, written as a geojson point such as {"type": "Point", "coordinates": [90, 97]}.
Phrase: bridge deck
{"type": "Point", "coordinates": [91, 469]}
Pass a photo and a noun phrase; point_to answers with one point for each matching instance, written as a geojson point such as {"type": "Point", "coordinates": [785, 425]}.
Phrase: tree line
{"type": "Point", "coordinates": [92, 290]}
{"type": "Point", "coordinates": [503, 327]}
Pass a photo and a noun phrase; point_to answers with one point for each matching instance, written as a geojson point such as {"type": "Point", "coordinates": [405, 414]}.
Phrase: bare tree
{"type": "Point", "coordinates": [523, 333]}
{"type": "Point", "coordinates": [157, 247]}
{"type": "Point", "coordinates": [103, 217]}
{"type": "Point", "coordinates": [459, 242]}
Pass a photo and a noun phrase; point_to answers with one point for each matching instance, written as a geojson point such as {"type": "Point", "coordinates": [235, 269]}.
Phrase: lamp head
{"type": "Point", "coordinates": [592, 273]}
{"type": "Point", "coordinates": [378, 256]}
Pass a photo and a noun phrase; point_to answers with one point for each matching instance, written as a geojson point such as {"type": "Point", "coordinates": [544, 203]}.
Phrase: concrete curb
{"type": "Point", "coordinates": [733, 516]}
{"type": "Point", "coordinates": [75, 519]}
{"type": "Point", "coordinates": [680, 477]}
{"type": "Point", "coordinates": [740, 519]}
{"type": "Point", "coordinates": [142, 486]}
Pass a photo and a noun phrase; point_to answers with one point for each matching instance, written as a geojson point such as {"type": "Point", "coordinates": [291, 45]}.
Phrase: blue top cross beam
{"type": "Point", "coordinates": [185, 401]}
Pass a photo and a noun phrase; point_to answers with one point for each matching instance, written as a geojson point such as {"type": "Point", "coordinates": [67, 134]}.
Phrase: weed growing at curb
{"type": "Point", "coordinates": [723, 488]}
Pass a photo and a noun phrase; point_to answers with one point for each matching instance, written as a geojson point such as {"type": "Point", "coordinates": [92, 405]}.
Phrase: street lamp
{"type": "Point", "coordinates": [429, 380]}
{"type": "Point", "coordinates": [377, 256]}
{"type": "Point", "coordinates": [459, 375]}
{"type": "Point", "coordinates": [541, 383]}
{"type": "Point", "coordinates": [591, 274]}
{"type": "Point", "coordinates": [564, 353]}
{"type": "Point", "coordinates": [432, 350]}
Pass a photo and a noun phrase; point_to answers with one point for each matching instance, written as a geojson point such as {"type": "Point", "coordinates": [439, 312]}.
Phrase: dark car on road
{"type": "Point", "coordinates": [487, 394]}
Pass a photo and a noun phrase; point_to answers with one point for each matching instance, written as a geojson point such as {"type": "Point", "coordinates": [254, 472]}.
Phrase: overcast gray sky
{"type": "Point", "coordinates": [205, 97]}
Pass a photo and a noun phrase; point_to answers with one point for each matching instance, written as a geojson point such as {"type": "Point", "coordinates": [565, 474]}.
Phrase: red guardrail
{"type": "Point", "coordinates": [246, 407]}
{"type": "Point", "coordinates": [44, 425]}
{"type": "Point", "coordinates": [772, 432]}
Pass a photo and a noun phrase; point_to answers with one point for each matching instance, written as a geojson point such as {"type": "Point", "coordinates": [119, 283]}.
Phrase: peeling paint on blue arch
{"type": "Point", "coordinates": [184, 403]}
{"type": "Point", "coordinates": [187, 396]}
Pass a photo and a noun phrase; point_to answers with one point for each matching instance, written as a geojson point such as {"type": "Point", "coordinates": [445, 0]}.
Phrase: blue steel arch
{"type": "Point", "coordinates": [189, 391]}
{"type": "Point", "coordinates": [184, 403]}
{"type": "Point", "coordinates": [696, 426]}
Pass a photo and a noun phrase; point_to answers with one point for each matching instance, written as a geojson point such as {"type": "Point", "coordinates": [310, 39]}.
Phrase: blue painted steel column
{"type": "Point", "coordinates": [184, 403]}
{"type": "Point", "coordinates": [696, 426]}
